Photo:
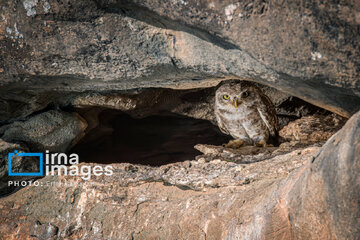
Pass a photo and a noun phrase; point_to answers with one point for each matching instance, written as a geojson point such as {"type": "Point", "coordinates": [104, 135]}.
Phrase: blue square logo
{"type": "Point", "coordinates": [15, 153]}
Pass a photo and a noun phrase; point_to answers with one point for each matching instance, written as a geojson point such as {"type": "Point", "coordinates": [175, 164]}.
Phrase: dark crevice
{"type": "Point", "coordinates": [154, 140]}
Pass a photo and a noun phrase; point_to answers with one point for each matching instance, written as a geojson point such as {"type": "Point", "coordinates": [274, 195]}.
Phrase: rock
{"type": "Point", "coordinates": [18, 164]}
{"type": "Point", "coordinates": [140, 103]}
{"type": "Point", "coordinates": [55, 131]}
{"type": "Point", "coordinates": [194, 103]}
{"type": "Point", "coordinates": [15, 105]}
{"type": "Point", "coordinates": [5, 149]}
{"type": "Point", "coordinates": [49, 50]}
{"type": "Point", "coordinates": [293, 39]}
{"type": "Point", "coordinates": [298, 195]}
{"type": "Point", "coordinates": [47, 231]}
{"type": "Point", "coordinates": [323, 201]}
{"type": "Point", "coordinates": [244, 154]}
{"type": "Point", "coordinates": [184, 199]}
{"type": "Point", "coordinates": [312, 129]}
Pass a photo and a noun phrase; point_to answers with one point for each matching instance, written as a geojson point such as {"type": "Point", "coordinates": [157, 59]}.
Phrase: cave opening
{"type": "Point", "coordinates": [154, 140]}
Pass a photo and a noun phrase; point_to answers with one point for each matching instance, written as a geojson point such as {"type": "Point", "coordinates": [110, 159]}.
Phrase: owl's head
{"type": "Point", "coordinates": [236, 94]}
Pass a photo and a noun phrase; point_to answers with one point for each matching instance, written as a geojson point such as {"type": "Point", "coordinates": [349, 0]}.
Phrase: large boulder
{"type": "Point", "coordinates": [56, 131]}
{"type": "Point", "coordinates": [309, 50]}
{"type": "Point", "coordinates": [324, 202]}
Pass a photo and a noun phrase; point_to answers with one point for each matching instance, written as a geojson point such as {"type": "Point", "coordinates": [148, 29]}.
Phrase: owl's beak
{"type": "Point", "coordinates": [236, 103]}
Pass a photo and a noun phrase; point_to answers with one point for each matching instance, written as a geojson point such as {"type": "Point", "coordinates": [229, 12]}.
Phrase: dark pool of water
{"type": "Point", "coordinates": [155, 140]}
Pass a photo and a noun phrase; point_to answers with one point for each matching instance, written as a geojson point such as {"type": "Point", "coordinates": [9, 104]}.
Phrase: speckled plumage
{"type": "Point", "coordinates": [254, 119]}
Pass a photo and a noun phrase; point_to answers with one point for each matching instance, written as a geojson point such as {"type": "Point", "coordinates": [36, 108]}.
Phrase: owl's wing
{"type": "Point", "coordinates": [268, 115]}
{"type": "Point", "coordinates": [221, 126]}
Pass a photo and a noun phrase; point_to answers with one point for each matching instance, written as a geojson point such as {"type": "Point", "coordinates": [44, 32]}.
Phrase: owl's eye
{"type": "Point", "coordinates": [226, 97]}
{"type": "Point", "coordinates": [245, 94]}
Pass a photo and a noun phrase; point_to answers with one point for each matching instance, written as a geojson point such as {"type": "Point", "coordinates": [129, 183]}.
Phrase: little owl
{"type": "Point", "coordinates": [243, 111]}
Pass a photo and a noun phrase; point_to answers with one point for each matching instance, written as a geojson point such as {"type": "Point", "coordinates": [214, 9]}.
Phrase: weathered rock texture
{"type": "Point", "coordinates": [309, 193]}
{"type": "Point", "coordinates": [19, 164]}
{"type": "Point", "coordinates": [142, 202]}
{"type": "Point", "coordinates": [55, 131]}
{"type": "Point", "coordinates": [312, 129]}
{"type": "Point", "coordinates": [6, 148]}
{"type": "Point", "coordinates": [195, 103]}
{"type": "Point", "coordinates": [323, 203]}
{"type": "Point", "coordinates": [49, 48]}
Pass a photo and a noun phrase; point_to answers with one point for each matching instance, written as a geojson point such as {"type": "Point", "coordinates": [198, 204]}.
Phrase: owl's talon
{"type": "Point", "coordinates": [234, 143]}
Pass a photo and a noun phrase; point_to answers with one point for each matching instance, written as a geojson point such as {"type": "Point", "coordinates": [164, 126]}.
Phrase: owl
{"type": "Point", "coordinates": [243, 111]}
